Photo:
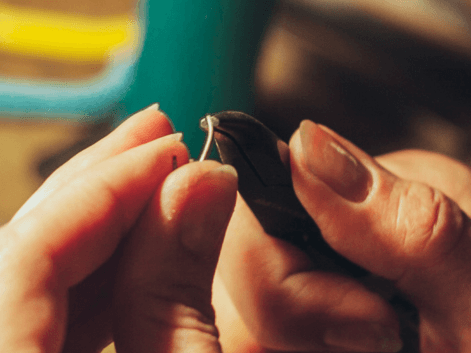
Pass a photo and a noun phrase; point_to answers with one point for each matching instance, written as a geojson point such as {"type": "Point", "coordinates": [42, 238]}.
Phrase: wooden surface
{"type": "Point", "coordinates": [23, 145]}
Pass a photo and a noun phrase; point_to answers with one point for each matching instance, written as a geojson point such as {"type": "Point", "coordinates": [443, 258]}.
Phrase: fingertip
{"type": "Point", "coordinates": [148, 124]}
{"type": "Point", "coordinates": [170, 260]}
{"type": "Point", "coordinates": [175, 149]}
{"type": "Point", "coordinates": [337, 191]}
{"type": "Point", "coordinates": [295, 143]}
{"type": "Point", "coordinates": [297, 157]}
{"type": "Point", "coordinates": [319, 199]}
{"type": "Point", "coordinates": [331, 162]}
{"type": "Point", "coordinates": [88, 217]}
{"type": "Point", "coordinates": [208, 210]}
{"type": "Point", "coordinates": [205, 193]}
{"type": "Point", "coordinates": [139, 128]}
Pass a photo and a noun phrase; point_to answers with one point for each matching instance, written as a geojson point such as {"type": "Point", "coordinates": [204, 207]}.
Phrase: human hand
{"type": "Point", "coordinates": [398, 226]}
{"type": "Point", "coordinates": [116, 243]}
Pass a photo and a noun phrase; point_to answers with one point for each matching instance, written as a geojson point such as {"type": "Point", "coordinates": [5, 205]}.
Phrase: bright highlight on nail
{"type": "Point", "coordinates": [208, 123]}
{"type": "Point", "coordinates": [340, 150]}
{"type": "Point", "coordinates": [333, 164]}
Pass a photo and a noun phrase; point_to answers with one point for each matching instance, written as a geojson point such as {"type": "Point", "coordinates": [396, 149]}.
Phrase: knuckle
{"type": "Point", "coordinates": [169, 309]}
{"type": "Point", "coordinates": [430, 221]}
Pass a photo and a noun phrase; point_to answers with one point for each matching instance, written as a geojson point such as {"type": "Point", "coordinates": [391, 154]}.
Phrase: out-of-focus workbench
{"type": "Point", "coordinates": [31, 150]}
{"type": "Point", "coordinates": [23, 146]}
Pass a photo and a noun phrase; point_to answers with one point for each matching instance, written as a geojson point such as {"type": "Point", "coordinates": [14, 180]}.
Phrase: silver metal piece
{"type": "Point", "coordinates": [204, 121]}
{"type": "Point", "coordinates": [208, 123]}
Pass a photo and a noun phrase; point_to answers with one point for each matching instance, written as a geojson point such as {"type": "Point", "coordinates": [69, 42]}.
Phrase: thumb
{"type": "Point", "coordinates": [163, 295]}
{"type": "Point", "coordinates": [399, 229]}
{"type": "Point", "coordinates": [384, 223]}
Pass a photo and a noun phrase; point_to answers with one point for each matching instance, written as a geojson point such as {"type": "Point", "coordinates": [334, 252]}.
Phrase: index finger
{"type": "Point", "coordinates": [142, 127]}
{"type": "Point", "coordinates": [400, 229]}
{"type": "Point", "coordinates": [79, 226]}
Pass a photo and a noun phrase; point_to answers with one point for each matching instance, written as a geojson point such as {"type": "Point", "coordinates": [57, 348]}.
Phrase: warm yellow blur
{"type": "Point", "coordinates": [62, 36]}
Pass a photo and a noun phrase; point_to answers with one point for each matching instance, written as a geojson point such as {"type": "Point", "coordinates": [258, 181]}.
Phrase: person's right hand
{"type": "Point", "coordinates": [120, 243]}
{"type": "Point", "coordinates": [402, 216]}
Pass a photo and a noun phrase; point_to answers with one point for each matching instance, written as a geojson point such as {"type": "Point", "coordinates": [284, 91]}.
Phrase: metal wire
{"type": "Point", "coordinates": [209, 139]}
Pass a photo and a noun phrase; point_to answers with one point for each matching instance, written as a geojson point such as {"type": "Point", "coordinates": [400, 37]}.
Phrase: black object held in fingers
{"type": "Point", "coordinates": [262, 163]}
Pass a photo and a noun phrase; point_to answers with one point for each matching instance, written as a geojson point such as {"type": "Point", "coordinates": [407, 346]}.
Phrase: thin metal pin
{"type": "Point", "coordinates": [174, 162]}
{"type": "Point", "coordinates": [209, 139]}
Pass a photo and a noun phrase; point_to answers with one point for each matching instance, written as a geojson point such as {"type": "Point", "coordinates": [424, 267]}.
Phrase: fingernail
{"type": "Point", "coordinates": [364, 338]}
{"type": "Point", "coordinates": [178, 136]}
{"type": "Point", "coordinates": [154, 106]}
{"type": "Point", "coordinates": [333, 164]}
{"type": "Point", "coordinates": [206, 217]}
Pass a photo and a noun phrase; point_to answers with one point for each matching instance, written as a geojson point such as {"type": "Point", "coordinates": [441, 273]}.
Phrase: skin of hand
{"type": "Point", "coordinates": [402, 216]}
{"type": "Point", "coordinates": [116, 244]}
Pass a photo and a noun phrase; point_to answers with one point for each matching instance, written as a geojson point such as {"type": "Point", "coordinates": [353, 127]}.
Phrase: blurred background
{"type": "Point", "coordinates": [71, 71]}
{"type": "Point", "coordinates": [386, 74]}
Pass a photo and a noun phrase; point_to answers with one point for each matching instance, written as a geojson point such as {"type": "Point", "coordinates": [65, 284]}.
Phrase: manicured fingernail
{"type": "Point", "coordinates": [205, 218]}
{"type": "Point", "coordinates": [364, 338]}
{"type": "Point", "coordinates": [333, 164]}
{"type": "Point", "coordinates": [154, 106]}
{"type": "Point", "coordinates": [178, 136]}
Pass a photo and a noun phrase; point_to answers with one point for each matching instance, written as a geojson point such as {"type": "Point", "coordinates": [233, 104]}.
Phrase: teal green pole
{"type": "Point", "coordinates": [198, 58]}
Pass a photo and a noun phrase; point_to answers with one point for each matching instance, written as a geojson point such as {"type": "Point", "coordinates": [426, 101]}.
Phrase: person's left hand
{"type": "Point", "coordinates": [118, 244]}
